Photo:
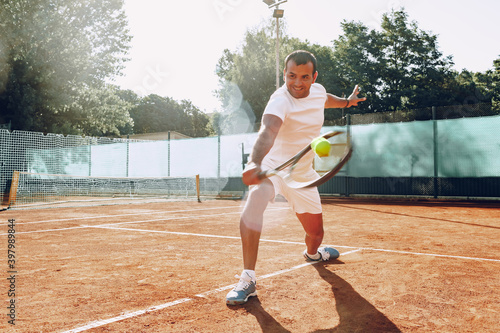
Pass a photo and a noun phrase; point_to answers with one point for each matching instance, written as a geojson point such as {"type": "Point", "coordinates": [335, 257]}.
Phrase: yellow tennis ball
{"type": "Point", "coordinates": [321, 147]}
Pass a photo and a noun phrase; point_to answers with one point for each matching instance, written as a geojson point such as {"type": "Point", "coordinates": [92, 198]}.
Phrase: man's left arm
{"type": "Point", "coordinates": [335, 102]}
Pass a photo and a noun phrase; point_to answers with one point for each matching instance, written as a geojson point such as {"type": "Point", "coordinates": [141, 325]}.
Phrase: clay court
{"type": "Point", "coordinates": [405, 266]}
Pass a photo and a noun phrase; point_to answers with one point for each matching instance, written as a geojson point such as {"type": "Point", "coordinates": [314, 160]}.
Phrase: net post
{"type": "Point", "coordinates": [13, 188]}
{"type": "Point", "coordinates": [198, 187]}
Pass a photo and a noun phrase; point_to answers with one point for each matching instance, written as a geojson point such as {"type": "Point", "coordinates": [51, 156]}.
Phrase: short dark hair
{"type": "Point", "coordinates": [301, 57]}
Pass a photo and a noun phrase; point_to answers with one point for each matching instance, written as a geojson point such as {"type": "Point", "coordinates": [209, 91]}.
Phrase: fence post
{"type": "Point", "coordinates": [348, 128]}
{"type": "Point", "coordinates": [435, 162]}
{"type": "Point", "coordinates": [128, 156]}
{"type": "Point", "coordinates": [218, 156]}
{"type": "Point", "coordinates": [90, 156]}
{"type": "Point", "coordinates": [168, 155]}
{"type": "Point", "coordinates": [218, 163]}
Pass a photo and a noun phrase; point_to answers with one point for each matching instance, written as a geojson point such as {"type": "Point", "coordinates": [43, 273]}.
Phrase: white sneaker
{"type": "Point", "coordinates": [326, 253]}
{"type": "Point", "coordinates": [244, 289]}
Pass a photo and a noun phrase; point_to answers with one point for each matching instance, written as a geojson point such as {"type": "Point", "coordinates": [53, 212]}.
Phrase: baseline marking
{"type": "Point", "coordinates": [122, 215]}
{"type": "Point", "coordinates": [99, 323]}
{"type": "Point", "coordinates": [104, 226]}
{"type": "Point", "coordinates": [296, 243]}
{"type": "Point", "coordinates": [128, 222]}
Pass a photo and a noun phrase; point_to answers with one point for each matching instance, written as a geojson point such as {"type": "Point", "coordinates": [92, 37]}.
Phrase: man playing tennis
{"type": "Point", "coordinates": [293, 117]}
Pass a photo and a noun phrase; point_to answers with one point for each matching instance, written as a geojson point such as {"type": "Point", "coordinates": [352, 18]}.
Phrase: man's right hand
{"type": "Point", "coordinates": [251, 174]}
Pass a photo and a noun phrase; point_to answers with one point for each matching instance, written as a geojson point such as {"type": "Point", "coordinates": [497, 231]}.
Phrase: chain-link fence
{"type": "Point", "coordinates": [441, 151]}
{"type": "Point", "coordinates": [438, 152]}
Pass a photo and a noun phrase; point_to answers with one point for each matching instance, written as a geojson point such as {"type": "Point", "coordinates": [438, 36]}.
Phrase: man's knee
{"type": "Point", "coordinates": [313, 224]}
{"type": "Point", "coordinates": [260, 195]}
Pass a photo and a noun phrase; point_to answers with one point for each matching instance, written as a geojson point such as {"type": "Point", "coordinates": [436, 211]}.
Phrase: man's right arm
{"type": "Point", "coordinates": [265, 140]}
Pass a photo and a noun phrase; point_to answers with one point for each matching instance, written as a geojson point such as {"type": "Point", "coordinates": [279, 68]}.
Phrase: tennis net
{"type": "Point", "coordinates": [38, 189]}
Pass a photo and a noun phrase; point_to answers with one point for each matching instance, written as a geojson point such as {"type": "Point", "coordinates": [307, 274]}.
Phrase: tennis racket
{"type": "Point", "coordinates": [340, 153]}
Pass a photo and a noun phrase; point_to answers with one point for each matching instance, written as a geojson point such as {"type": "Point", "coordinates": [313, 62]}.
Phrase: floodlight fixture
{"type": "Point", "coordinates": [278, 13]}
{"type": "Point", "coordinates": [273, 3]}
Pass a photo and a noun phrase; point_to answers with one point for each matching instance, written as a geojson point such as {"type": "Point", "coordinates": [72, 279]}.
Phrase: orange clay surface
{"type": "Point", "coordinates": [405, 266]}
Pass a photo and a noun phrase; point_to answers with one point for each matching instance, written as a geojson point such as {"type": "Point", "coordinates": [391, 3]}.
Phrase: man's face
{"type": "Point", "coordinates": [299, 78]}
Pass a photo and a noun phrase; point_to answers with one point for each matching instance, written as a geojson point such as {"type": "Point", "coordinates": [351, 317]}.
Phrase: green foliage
{"type": "Point", "coordinates": [495, 78]}
{"type": "Point", "coordinates": [196, 122]}
{"type": "Point", "coordinates": [357, 59]}
{"type": "Point", "coordinates": [214, 125]}
{"type": "Point", "coordinates": [248, 78]}
{"type": "Point", "coordinates": [154, 113]}
{"type": "Point", "coordinates": [98, 112]}
{"type": "Point", "coordinates": [414, 67]}
{"type": "Point", "coordinates": [469, 88]}
{"type": "Point", "coordinates": [398, 67]}
{"type": "Point", "coordinates": [57, 55]}
{"type": "Point", "coordinates": [53, 53]}
{"type": "Point", "coordinates": [250, 74]}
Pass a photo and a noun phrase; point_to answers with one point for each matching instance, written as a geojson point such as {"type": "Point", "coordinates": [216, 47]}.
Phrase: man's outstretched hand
{"type": "Point", "coordinates": [354, 99]}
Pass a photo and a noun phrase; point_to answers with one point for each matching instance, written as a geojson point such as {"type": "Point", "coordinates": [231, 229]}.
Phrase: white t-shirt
{"type": "Point", "coordinates": [302, 122]}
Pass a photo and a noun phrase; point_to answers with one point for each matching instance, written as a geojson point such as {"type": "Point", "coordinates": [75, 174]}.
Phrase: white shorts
{"type": "Point", "coordinates": [303, 200]}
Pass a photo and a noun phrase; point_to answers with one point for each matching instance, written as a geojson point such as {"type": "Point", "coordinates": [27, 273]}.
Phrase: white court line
{"type": "Point", "coordinates": [210, 292]}
{"type": "Point", "coordinates": [203, 235]}
{"type": "Point", "coordinates": [110, 226]}
{"type": "Point", "coordinates": [169, 304]}
{"type": "Point", "coordinates": [104, 226]}
{"type": "Point", "coordinates": [295, 243]}
{"type": "Point", "coordinates": [128, 222]}
{"type": "Point", "coordinates": [431, 254]}
{"type": "Point", "coordinates": [134, 222]}
{"type": "Point", "coordinates": [122, 215]}
{"type": "Point", "coordinates": [48, 230]}
{"type": "Point", "coordinates": [99, 323]}
{"type": "Point", "coordinates": [271, 274]}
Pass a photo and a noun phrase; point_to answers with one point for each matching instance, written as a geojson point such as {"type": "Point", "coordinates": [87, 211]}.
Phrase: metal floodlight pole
{"type": "Point", "coordinates": [277, 51]}
{"type": "Point", "coordinates": [278, 13]}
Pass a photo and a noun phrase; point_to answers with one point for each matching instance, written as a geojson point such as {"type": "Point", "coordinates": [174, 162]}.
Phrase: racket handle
{"type": "Point", "coordinates": [267, 174]}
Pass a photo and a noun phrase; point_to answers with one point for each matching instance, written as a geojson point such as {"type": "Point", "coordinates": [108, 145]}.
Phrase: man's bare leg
{"type": "Point", "coordinates": [313, 226]}
{"type": "Point", "coordinates": [251, 222]}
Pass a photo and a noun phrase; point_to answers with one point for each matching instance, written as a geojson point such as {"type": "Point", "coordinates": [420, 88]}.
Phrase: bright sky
{"type": "Point", "coordinates": [176, 44]}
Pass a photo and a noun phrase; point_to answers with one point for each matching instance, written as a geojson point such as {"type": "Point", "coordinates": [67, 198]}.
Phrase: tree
{"type": "Point", "coordinates": [248, 77]}
{"type": "Point", "coordinates": [399, 67]}
{"type": "Point", "coordinates": [358, 59]}
{"type": "Point", "coordinates": [415, 69]}
{"type": "Point", "coordinates": [58, 51]}
{"type": "Point", "coordinates": [196, 122]}
{"type": "Point", "coordinates": [214, 126]}
{"type": "Point", "coordinates": [496, 85]}
{"type": "Point", "coordinates": [154, 113]}
{"type": "Point", "coordinates": [99, 112]}
{"type": "Point", "coordinates": [467, 87]}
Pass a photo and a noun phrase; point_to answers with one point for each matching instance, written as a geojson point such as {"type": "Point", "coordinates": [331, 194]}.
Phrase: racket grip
{"type": "Point", "coordinates": [262, 175]}
{"type": "Point", "coordinates": [267, 174]}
